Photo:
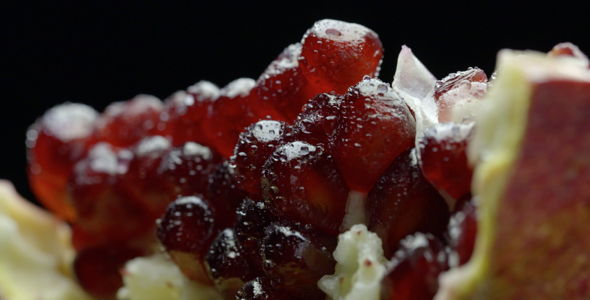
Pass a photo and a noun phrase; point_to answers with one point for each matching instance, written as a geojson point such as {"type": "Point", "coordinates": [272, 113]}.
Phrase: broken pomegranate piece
{"type": "Point", "coordinates": [185, 230]}
{"type": "Point", "coordinates": [253, 183]}
{"type": "Point", "coordinates": [528, 184]}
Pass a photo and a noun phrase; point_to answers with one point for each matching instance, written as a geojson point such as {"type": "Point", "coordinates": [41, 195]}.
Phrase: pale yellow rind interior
{"type": "Point", "coordinates": [35, 252]}
{"type": "Point", "coordinates": [360, 266]}
{"type": "Point", "coordinates": [158, 278]}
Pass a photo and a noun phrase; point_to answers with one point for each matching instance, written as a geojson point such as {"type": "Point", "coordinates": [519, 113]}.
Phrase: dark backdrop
{"type": "Point", "coordinates": [101, 51]}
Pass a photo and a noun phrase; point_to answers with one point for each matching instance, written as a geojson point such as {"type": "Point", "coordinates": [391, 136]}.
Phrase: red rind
{"type": "Point", "coordinates": [540, 230]}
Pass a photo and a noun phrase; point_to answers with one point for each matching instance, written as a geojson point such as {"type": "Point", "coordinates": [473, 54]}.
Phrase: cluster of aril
{"type": "Point", "coordinates": [251, 184]}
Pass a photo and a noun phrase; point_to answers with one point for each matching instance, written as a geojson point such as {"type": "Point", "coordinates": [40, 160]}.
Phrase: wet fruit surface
{"type": "Point", "coordinates": [403, 202]}
{"type": "Point", "coordinates": [224, 192]}
{"type": "Point", "coordinates": [569, 50]}
{"type": "Point", "coordinates": [283, 85]}
{"type": "Point", "coordinates": [184, 112]}
{"type": "Point", "coordinates": [458, 91]}
{"type": "Point", "coordinates": [98, 269]}
{"type": "Point", "coordinates": [227, 264]}
{"type": "Point", "coordinates": [461, 234]}
{"type": "Point", "coordinates": [443, 158]}
{"type": "Point", "coordinates": [54, 144]}
{"type": "Point", "coordinates": [259, 288]}
{"type": "Point", "coordinates": [375, 127]}
{"type": "Point", "coordinates": [185, 230]}
{"type": "Point", "coordinates": [319, 120]}
{"type": "Point", "coordinates": [184, 170]}
{"type": "Point", "coordinates": [336, 55]}
{"type": "Point", "coordinates": [296, 259]}
{"type": "Point", "coordinates": [125, 123]}
{"type": "Point", "coordinates": [251, 220]}
{"type": "Point", "coordinates": [141, 180]}
{"type": "Point", "coordinates": [301, 183]}
{"type": "Point", "coordinates": [235, 109]}
{"type": "Point", "coordinates": [254, 146]}
{"type": "Point", "coordinates": [246, 187]}
{"type": "Point", "coordinates": [415, 268]}
{"type": "Point", "coordinates": [100, 199]}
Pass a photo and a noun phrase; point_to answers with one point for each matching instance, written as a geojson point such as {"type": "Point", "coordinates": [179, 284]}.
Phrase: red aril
{"type": "Point", "coordinates": [185, 112]}
{"type": "Point", "coordinates": [226, 263]}
{"type": "Point", "coordinates": [283, 85]}
{"type": "Point", "coordinates": [98, 269]}
{"type": "Point", "coordinates": [259, 288]}
{"type": "Point", "coordinates": [185, 170]}
{"type": "Point", "coordinates": [569, 50]}
{"type": "Point", "coordinates": [224, 192]}
{"type": "Point", "coordinates": [318, 122]}
{"type": "Point", "coordinates": [235, 109]}
{"type": "Point", "coordinates": [251, 219]}
{"type": "Point", "coordinates": [453, 80]}
{"type": "Point", "coordinates": [443, 158]}
{"type": "Point", "coordinates": [106, 212]}
{"type": "Point", "coordinates": [54, 144]}
{"type": "Point", "coordinates": [375, 127]}
{"type": "Point", "coordinates": [123, 124]}
{"type": "Point", "coordinates": [254, 146]}
{"type": "Point", "coordinates": [337, 55]}
{"type": "Point", "coordinates": [186, 230]}
{"type": "Point", "coordinates": [415, 268]}
{"type": "Point", "coordinates": [141, 179]}
{"type": "Point", "coordinates": [461, 234]}
{"type": "Point", "coordinates": [456, 93]}
{"type": "Point", "coordinates": [301, 183]}
{"type": "Point", "coordinates": [403, 202]}
{"type": "Point", "coordinates": [296, 259]}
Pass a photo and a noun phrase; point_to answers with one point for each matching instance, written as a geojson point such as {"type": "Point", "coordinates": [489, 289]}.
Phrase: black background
{"type": "Point", "coordinates": [99, 52]}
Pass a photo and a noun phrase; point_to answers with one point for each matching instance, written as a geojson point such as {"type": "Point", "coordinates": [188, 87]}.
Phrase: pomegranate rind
{"type": "Point", "coordinates": [35, 252]}
{"type": "Point", "coordinates": [529, 246]}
